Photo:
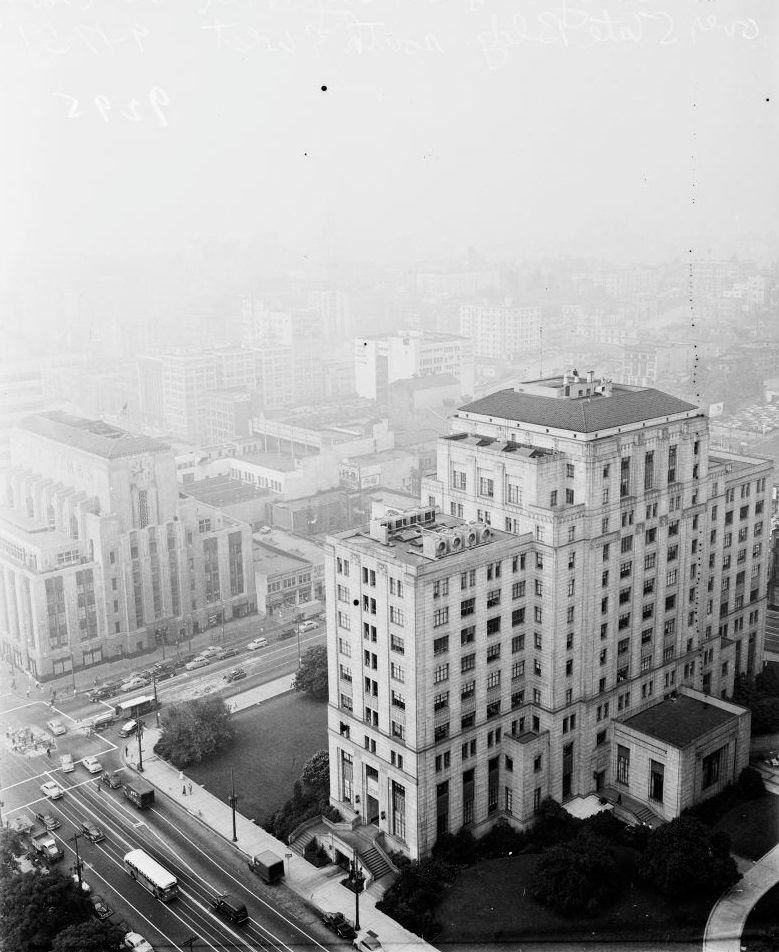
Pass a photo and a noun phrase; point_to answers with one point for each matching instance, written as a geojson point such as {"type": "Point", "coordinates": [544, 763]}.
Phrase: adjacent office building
{"type": "Point", "coordinates": [565, 617]}
{"type": "Point", "coordinates": [98, 548]}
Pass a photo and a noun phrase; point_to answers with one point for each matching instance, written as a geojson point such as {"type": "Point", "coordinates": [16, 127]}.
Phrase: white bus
{"type": "Point", "coordinates": [137, 707]}
{"type": "Point", "coordinates": [148, 872]}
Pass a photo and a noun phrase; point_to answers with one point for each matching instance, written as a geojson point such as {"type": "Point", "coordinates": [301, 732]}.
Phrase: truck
{"type": "Point", "coordinates": [45, 844]}
{"type": "Point", "coordinates": [267, 866]}
{"type": "Point", "coordinates": [66, 763]}
{"type": "Point", "coordinates": [138, 792]}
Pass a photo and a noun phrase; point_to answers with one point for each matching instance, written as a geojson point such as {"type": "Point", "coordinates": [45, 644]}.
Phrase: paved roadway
{"type": "Point", "coordinates": [203, 866]}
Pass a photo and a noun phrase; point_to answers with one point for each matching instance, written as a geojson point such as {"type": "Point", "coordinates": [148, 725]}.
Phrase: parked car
{"type": "Point", "coordinates": [51, 790]}
{"type": "Point", "coordinates": [137, 681]}
{"type": "Point", "coordinates": [338, 923]}
{"type": "Point", "coordinates": [136, 942]}
{"type": "Point", "coordinates": [287, 633]}
{"type": "Point", "coordinates": [92, 832]}
{"type": "Point", "coordinates": [210, 651]}
{"type": "Point", "coordinates": [164, 671]}
{"type": "Point", "coordinates": [367, 941]}
{"type": "Point", "coordinates": [92, 764]}
{"type": "Point", "coordinates": [257, 643]}
{"type": "Point", "coordinates": [235, 675]}
{"type": "Point", "coordinates": [47, 820]}
{"type": "Point", "coordinates": [101, 908]}
{"type": "Point", "coordinates": [196, 663]}
{"type": "Point", "coordinates": [309, 625]}
{"type": "Point", "coordinates": [221, 653]}
{"type": "Point", "coordinates": [56, 727]}
{"type": "Point", "coordinates": [129, 727]}
{"type": "Point", "coordinates": [104, 690]}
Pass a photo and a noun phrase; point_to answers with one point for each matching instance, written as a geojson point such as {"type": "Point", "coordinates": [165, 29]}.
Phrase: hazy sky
{"type": "Point", "coordinates": [134, 124]}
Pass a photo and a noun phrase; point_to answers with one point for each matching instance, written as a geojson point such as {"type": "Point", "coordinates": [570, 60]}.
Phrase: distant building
{"type": "Point", "coordinates": [98, 548]}
{"type": "Point", "coordinates": [21, 393]}
{"type": "Point", "coordinates": [381, 360]}
{"type": "Point", "coordinates": [501, 330]}
{"type": "Point", "coordinates": [289, 572]}
{"type": "Point", "coordinates": [228, 414]}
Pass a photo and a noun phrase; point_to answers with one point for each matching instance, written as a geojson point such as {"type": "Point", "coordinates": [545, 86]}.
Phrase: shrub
{"type": "Point", "coordinates": [501, 840]}
{"type": "Point", "coordinates": [751, 784]}
{"type": "Point", "coordinates": [457, 849]}
{"type": "Point", "coordinates": [553, 824]}
{"type": "Point", "coordinates": [576, 877]}
{"type": "Point", "coordinates": [683, 857]}
{"type": "Point", "coordinates": [417, 891]}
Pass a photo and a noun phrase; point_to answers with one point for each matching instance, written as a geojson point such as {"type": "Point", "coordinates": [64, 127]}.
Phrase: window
{"type": "Point", "coordinates": [467, 607]}
{"type": "Point", "coordinates": [493, 680]}
{"type": "Point", "coordinates": [440, 617]}
{"type": "Point", "coordinates": [486, 486]}
{"type": "Point", "coordinates": [569, 668]}
{"type": "Point", "coordinates": [397, 644]}
{"type": "Point", "coordinates": [624, 477]}
{"type": "Point", "coordinates": [467, 662]}
{"type": "Point", "coordinates": [538, 614]}
{"type": "Point", "coordinates": [493, 625]}
{"type": "Point", "coordinates": [397, 672]}
{"type": "Point", "coordinates": [458, 479]}
{"type": "Point", "coordinates": [517, 643]}
{"type": "Point", "coordinates": [518, 616]}
{"type": "Point", "coordinates": [441, 645]}
{"type": "Point", "coordinates": [468, 635]}
{"type": "Point", "coordinates": [467, 690]}
{"type": "Point", "coordinates": [537, 667]}
{"type": "Point", "coordinates": [493, 598]}
{"type": "Point", "coordinates": [441, 701]}
{"type": "Point", "coordinates": [518, 589]}
{"type": "Point", "coordinates": [626, 544]}
{"type": "Point", "coordinates": [343, 621]}
{"type": "Point", "coordinates": [569, 497]}
{"type": "Point", "coordinates": [396, 615]}
{"type": "Point", "coordinates": [711, 766]}
{"type": "Point", "coordinates": [571, 587]}
{"type": "Point", "coordinates": [493, 652]}
{"type": "Point", "coordinates": [623, 764]}
{"type": "Point", "coordinates": [440, 587]}
{"type": "Point", "coordinates": [553, 498]}
{"type": "Point", "coordinates": [441, 673]}
{"type": "Point", "coordinates": [537, 640]}
{"type": "Point", "coordinates": [518, 669]}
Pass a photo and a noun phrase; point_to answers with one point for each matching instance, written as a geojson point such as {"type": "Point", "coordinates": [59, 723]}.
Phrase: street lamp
{"type": "Point", "coordinates": [232, 799]}
{"type": "Point", "coordinates": [140, 748]}
{"type": "Point", "coordinates": [357, 878]}
{"type": "Point", "coordinates": [79, 864]}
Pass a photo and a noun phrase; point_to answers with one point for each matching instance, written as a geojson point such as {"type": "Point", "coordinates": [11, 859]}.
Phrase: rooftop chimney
{"type": "Point", "coordinates": [590, 376]}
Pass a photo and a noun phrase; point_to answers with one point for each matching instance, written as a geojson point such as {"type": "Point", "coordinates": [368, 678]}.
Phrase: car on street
{"type": "Point", "coordinates": [367, 941]}
{"type": "Point", "coordinates": [91, 832]}
{"type": "Point", "coordinates": [85, 887]}
{"type": "Point", "coordinates": [338, 923]}
{"type": "Point", "coordinates": [210, 651]}
{"type": "Point", "coordinates": [257, 643]}
{"type": "Point", "coordinates": [196, 663]}
{"type": "Point", "coordinates": [47, 820]}
{"type": "Point", "coordinates": [92, 764]}
{"type": "Point", "coordinates": [309, 625]}
{"type": "Point", "coordinates": [111, 779]}
{"type": "Point", "coordinates": [129, 727]}
{"type": "Point", "coordinates": [221, 653]}
{"type": "Point", "coordinates": [163, 671]}
{"type": "Point", "coordinates": [56, 727]}
{"type": "Point", "coordinates": [101, 908]}
{"type": "Point", "coordinates": [51, 790]}
{"type": "Point", "coordinates": [234, 675]}
{"type": "Point", "coordinates": [137, 681]}
{"type": "Point", "coordinates": [136, 942]}
{"type": "Point", "coordinates": [103, 691]}
{"type": "Point", "coordinates": [287, 633]}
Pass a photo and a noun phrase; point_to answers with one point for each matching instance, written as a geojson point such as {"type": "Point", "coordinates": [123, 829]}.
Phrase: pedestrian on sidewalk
{"type": "Point", "coordinates": [190, 789]}
{"type": "Point", "coordinates": [183, 790]}
{"type": "Point", "coordinates": [28, 692]}
{"type": "Point", "coordinates": [48, 751]}
{"type": "Point", "coordinates": [99, 785]}
{"type": "Point", "coordinates": [181, 776]}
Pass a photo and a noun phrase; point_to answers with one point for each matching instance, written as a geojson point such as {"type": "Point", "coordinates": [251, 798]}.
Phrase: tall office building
{"type": "Point", "coordinates": [98, 548]}
{"type": "Point", "coordinates": [21, 393]}
{"type": "Point", "coordinates": [566, 617]}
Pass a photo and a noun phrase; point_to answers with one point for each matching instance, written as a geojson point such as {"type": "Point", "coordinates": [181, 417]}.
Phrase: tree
{"type": "Point", "coordinates": [579, 876]}
{"type": "Point", "coordinates": [89, 936]}
{"type": "Point", "coordinates": [312, 675]}
{"type": "Point", "coordinates": [765, 716]}
{"type": "Point", "coordinates": [684, 857]}
{"type": "Point", "coordinates": [34, 907]}
{"type": "Point", "coordinates": [11, 848]}
{"type": "Point", "coordinates": [316, 772]}
{"type": "Point", "coordinates": [193, 730]}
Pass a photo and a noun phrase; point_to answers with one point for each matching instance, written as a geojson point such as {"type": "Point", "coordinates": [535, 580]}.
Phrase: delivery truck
{"type": "Point", "coordinates": [267, 866]}
{"type": "Point", "coordinates": [138, 792]}
{"type": "Point", "coordinates": [45, 844]}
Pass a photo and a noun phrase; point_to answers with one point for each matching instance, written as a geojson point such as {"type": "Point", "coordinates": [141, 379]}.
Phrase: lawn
{"type": "Point", "coordinates": [762, 922]}
{"type": "Point", "coordinates": [753, 826]}
{"type": "Point", "coordinates": [496, 888]}
{"type": "Point", "coordinates": [272, 743]}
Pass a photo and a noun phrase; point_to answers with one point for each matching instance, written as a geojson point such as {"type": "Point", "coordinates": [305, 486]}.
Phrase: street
{"type": "Point", "coordinates": [204, 864]}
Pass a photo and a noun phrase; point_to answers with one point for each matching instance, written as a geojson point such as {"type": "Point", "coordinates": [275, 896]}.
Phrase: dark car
{"type": "Point", "coordinates": [183, 660]}
{"type": "Point", "coordinates": [287, 633]}
{"type": "Point", "coordinates": [164, 671]}
{"type": "Point", "coordinates": [48, 821]}
{"type": "Point", "coordinates": [101, 908]}
{"type": "Point", "coordinates": [103, 691]}
{"type": "Point", "coordinates": [91, 832]}
{"type": "Point", "coordinates": [223, 653]}
{"type": "Point", "coordinates": [111, 779]}
{"type": "Point", "coordinates": [235, 675]}
{"type": "Point", "coordinates": [338, 923]}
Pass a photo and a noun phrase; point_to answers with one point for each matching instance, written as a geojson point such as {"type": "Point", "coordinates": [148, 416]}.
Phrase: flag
{"type": "Point", "coordinates": [716, 409]}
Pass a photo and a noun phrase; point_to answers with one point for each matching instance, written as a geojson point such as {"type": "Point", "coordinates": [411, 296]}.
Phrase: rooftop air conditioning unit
{"type": "Point", "coordinates": [472, 537]}
{"type": "Point", "coordinates": [434, 545]}
{"type": "Point", "coordinates": [456, 541]}
{"type": "Point", "coordinates": [486, 534]}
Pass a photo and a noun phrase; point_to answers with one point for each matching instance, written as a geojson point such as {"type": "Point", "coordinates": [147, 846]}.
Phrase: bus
{"type": "Point", "coordinates": [148, 872]}
{"type": "Point", "coordinates": [136, 707]}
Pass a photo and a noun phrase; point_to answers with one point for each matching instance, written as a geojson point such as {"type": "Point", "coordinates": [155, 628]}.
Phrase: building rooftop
{"type": "Point", "coordinates": [277, 461]}
{"type": "Point", "coordinates": [293, 545]}
{"type": "Point", "coordinates": [272, 561]}
{"type": "Point", "coordinates": [679, 721]}
{"type": "Point", "coordinates": [90, 436]}
{"type": "Point", "coordinates": [429, 382]}
{"type": "Point", "coordinates": [586, 414]}
{"type": "Point", "coordinates": [222, 491]}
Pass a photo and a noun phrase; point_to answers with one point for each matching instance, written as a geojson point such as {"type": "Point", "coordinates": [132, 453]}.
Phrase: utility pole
{"type": "Point", "coordinates": [357, 879]}
{"type": "Point", "coordinates": [156, 699]}
{"type": "Point", "coordinates": [232, 800]}
{"type": "Point", "coordinates": [140, 748]}
{"type": "Point", "coordinates": [78, 862]}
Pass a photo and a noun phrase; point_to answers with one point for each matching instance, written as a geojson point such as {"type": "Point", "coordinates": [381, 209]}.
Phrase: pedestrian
{"type": "Point", "coordinates": [48, 751]}
{"type": "Point", "coordinates": [99, 785]}
{"type": "Point", "coordinates": [183, 789]}
{"type": "Point", "coordinates": [28, 692]}
{"type": "Point", "coordinates": [181, 776]}
{"type": "Point", "coordinates": [126, 750]}
{"type": "Point", "coordinates": [190, 789]}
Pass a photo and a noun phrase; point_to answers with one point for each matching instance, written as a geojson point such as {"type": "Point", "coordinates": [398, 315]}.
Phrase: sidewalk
{"type": "Point", "coordinates": [321, 887]}
{"type": "Point", "coordinates": [728, 918]}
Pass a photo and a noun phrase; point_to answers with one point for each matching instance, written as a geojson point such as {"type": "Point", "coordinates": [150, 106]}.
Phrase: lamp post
{"type": "Point", "coordinates": [78, 862]}
{"type": "Point", "coordinates": [232, 799]}
{"type": "Point", "coordinates": [140, 748]}
{"type": "Point", "coordinates": [156, 699]}
{"type": "Point", "coordinates": [358, 878]}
